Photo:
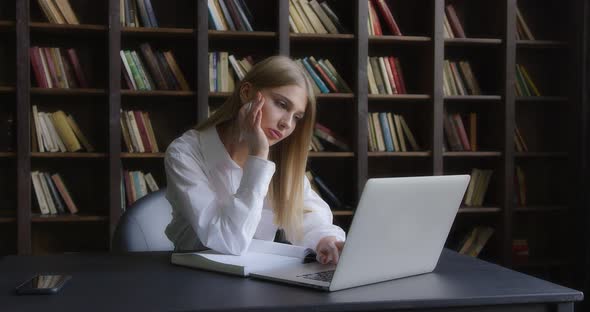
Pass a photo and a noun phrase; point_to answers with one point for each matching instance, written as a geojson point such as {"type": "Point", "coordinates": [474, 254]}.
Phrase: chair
{"type": "Point", "coordinates": [141, 227]}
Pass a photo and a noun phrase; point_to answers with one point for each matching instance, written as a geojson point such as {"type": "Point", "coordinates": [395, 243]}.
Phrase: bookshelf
{"type": "Point", "coordinates": [490, 46]}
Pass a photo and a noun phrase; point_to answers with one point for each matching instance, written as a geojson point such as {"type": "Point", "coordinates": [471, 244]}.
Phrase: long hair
{"type": "Point", "coordinates": [289, 155]}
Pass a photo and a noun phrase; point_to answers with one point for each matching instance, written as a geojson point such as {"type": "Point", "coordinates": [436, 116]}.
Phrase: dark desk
{"type": "Point", "coordinates": [147, 282]}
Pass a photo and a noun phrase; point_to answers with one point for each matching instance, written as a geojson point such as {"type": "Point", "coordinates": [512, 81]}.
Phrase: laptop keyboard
{"type": "Point", "coordinates": [325, 276]}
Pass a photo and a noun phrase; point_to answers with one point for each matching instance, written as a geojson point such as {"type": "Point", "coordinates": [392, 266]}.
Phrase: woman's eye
{"type": "Point", "coordinates": [282, 104]}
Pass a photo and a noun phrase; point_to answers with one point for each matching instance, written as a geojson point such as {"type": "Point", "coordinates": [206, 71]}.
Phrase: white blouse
{"type": "Point", "coordinates": [216, 204]}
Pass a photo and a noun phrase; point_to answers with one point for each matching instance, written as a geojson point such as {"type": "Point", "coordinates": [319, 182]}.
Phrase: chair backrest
{"type": "Point", "coordinates": [141, 227]}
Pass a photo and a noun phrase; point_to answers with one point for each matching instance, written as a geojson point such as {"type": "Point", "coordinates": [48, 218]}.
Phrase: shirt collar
{"type": "Point", "coordinates": [214, 151]}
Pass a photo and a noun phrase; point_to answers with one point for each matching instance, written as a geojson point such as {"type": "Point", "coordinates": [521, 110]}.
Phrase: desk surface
{"type": "Point", "coordinates": [147, 281]}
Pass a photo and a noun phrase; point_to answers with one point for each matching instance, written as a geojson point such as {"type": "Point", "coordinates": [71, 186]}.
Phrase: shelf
{"type": "Point", "coordinates": [171, 93]}
{"type": "Point", "coordinates": [398, 97]}
{"type": "Point", "coordinates": [68, 155]}
{"type": "Point", "coordinates": [541, 44]}
{"type": "Point", "coordinates": [322, 96]}
{"type": "Point", "coordinates": [472, 41]}
{"type": "Point", "coordinates": [399, 39]}
{"type": "Point", "coordinates": [481, 98]}
{"type": "Point", "coordinates": [541, 99]}
{"type": "Point", "coordinates": [7, 220]}
{"type": "Point", "coordinates": [224, 34]}
{"type": "Point", "coordinates": [474, 210]}
{"type": "Point", "coordinates": [143, 155]}
{"type": "Point", "coordinates": [541, 154]}
{"type": "Point", "coordinates": [321, 37]}
{"type": "Point", "coordinates": [63, 91]}
{"type": "Point", "coordinates": [38, 218]}
{"type": "Point", "coordinates": [7, 89]}
{"type": "Point", "coordinates": [67, 28]}
{"type": "Point", "coordinates": [342, 212]}
{"type": "Point", "coordinates": [7, 25]}
{"type": "Point", "coordinates": [473, 154]}
{"type": "Point", "coordinates": [157, 32]}
{"type": "Point", "coordinates": [400, 154]}
{"type": "Point", "coordinates": [542, 208]}
{"type": "Point", "coordinates": [7, 154]}
{"type": "Point", "coordinates": [331, 154]}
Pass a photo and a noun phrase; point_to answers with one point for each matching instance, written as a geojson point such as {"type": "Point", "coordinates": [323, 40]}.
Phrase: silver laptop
{"type": "Point", "coordinates": [398, 230]}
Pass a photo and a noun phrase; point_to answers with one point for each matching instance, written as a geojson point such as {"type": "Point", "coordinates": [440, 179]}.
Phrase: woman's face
{"type": "Point", "coordinates": [283, 108]}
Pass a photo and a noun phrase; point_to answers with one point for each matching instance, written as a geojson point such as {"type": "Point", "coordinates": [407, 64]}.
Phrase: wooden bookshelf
{"type": "Point", "coordinates": [491, 47]}
{"type": "Point", "coordinates": [67, 28]}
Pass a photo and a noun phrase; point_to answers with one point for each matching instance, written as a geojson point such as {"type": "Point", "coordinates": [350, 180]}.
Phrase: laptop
{"type": "Point", "coordinates": [399, 229]}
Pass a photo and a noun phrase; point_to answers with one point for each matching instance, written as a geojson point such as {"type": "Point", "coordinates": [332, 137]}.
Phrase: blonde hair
{"type": "Point", "coordinates": [289, 155]}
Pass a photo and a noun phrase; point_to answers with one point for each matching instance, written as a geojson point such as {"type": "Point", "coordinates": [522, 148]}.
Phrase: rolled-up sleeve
{"type": "Point", "coordinates": [223, 223]}
{"type": "Point", "coordinates": [317, 221]}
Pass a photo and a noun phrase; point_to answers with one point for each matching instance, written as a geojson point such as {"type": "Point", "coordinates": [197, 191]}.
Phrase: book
{"type": "Point", "coordinates": [261, 255]}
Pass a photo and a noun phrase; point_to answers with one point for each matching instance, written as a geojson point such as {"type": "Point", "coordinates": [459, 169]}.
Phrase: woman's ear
{"type": "Point", "coordinates": [246, 92]}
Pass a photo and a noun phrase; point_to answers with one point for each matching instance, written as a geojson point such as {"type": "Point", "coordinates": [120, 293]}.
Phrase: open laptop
{"type": "Point", "coordinates": [398, 230]}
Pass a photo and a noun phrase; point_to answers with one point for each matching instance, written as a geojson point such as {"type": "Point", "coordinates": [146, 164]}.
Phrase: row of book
{"type": "Point", "coordinates": [451, 23]}
{"type": "Point", "coordinates": [229, 15]}
{"type": "Point", "coordinates": [137, 13]}
{"type": "Point", "coordinates": [524, 84]}
{"type": "Point", "coordinates": [138, 133]}
{"type": "Point", "coordinates": [453, 27]}
{"type": "Point", "coordinates": [313, 17]}
{"type": "Point", "coordinates": [136, 185]}
{"type": "Point", "coordinates": [459, 137]}
{"type": "Point", "coordinates": [459, 79]}
{"type": "Point", "coordinates": [385, 75]}
{"type": "Point", "coordinates": [322, 189]}
{"type": "Point", "coordinates": [476, 240]}
{"type": "Point", "coordinates": [58, 11]}
{"type": "Point", "coordinates": [519, 141]}
{"type": "Point", "coordinates": [52, 194]}
{"type": "Point", "coordinates": [373, 21]}
{"type": "Point", "coordinates": [57, 132]}
{"type": "Point", "coordinates": [478, 187]}
{"type": "Point", "coordinates": [389, 132]}
{"type": "Point", "coordinates": [221, 78]}
{"type": "Point", "coordinates": [57, 68]}
{"type": "Point", "coordinates": [324, 74]}
{"type": "Point", "coordinates": [520, 186]}
{"type": "Point", "coordinates": [325, 139]}
{"type": "Point", "coordinates": [304, 17]}
{"type": "Point", "coordinates": [161, 73]}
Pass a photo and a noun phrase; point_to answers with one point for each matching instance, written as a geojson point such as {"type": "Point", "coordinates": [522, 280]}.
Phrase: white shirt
{"type": "Point", "coordinates": [218, 205]}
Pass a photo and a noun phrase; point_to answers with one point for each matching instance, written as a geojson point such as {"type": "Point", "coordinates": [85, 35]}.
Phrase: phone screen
{"type": "Point", "coordinates": [46, 281]}
{"type": "Point", "coordinates": [43, 283]}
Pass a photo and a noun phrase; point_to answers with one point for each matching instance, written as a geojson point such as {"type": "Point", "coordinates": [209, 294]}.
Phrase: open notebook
{"type": "Point", "coordinates": [261, 255]}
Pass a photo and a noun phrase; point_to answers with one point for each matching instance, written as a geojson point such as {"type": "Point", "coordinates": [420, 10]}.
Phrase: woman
{"type": "Point", "coordinates": [241, 174]}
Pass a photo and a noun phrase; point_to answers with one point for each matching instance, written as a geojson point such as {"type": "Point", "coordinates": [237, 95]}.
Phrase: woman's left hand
{"type": "Point", "coordinates": [328, 250]}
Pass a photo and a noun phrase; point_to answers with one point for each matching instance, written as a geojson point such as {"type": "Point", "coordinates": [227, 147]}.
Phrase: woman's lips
{"type": "Point", "coordinates": [275, 134]}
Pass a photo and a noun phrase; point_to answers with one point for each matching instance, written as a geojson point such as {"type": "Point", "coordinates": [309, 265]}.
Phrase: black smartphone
{"type": "Point", "coordinates": [43, 284]}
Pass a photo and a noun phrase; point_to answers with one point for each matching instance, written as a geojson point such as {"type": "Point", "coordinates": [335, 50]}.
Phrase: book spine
{"type": "Point", "coordinates": [150, 13]}
{"type": "Point", "coordinates": [54, 194]}
{"type": "Point", "coordinates": [82, 82]}
{"type": "Point", "coordinates": [154, 68]}
{"type": "Point", "coordinates": [61, 187]}
{"type": "Point", "coordinates": [315, 76]}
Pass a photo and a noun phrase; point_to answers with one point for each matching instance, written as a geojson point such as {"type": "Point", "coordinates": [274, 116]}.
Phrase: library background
{"type": "Point", "coordinates": [92, 93]}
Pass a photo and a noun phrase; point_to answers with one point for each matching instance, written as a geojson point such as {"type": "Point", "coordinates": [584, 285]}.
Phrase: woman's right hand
{"type": "Point", "coordinates": [250, 117]}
